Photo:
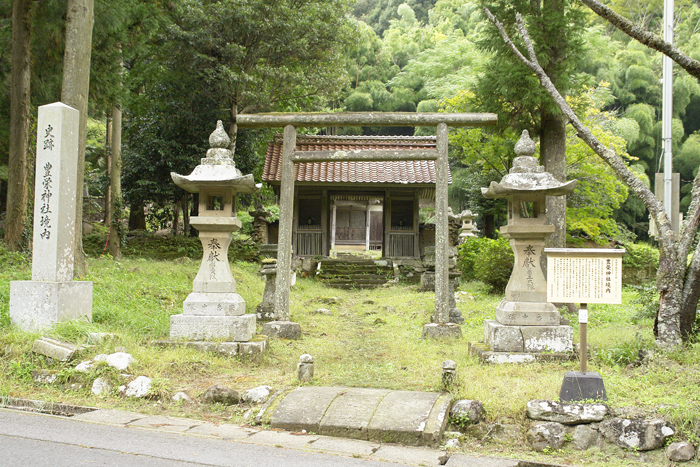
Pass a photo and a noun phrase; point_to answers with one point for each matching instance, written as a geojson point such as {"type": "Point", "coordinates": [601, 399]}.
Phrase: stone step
{"type": "Point", "coordinates": [407, 417]}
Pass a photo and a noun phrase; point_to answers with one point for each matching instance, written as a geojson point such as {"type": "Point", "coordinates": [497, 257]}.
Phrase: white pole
{"type": "Point", "coordinates": [667, 110]}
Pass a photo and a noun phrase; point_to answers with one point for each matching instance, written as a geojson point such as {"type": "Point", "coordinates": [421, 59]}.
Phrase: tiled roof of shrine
{"type": "Point", "coordinates": [394, 172]}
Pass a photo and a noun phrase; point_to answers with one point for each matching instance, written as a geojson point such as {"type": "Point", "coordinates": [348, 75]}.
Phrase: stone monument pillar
{"type": "Point", "coordinates": [525, 321]}
{"type": "Point", "coordinates": [214, 310]}
{"type": "Point", "coordinates": [52, 295]}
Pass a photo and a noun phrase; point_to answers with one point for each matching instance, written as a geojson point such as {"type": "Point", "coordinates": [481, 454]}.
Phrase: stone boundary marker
{"type": "Point", "coordinates": [52, 295]}
{"type": "Point", "coordinates": [407, 417]}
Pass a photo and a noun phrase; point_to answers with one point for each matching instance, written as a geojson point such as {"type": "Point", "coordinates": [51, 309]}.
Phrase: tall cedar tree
{"type": "Point", "coordinates": [509, 88]}
{"type": "Point", "coordinates": [20, 105]}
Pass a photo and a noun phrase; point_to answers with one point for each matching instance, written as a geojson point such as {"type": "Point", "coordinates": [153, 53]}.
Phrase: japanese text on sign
{"type": "Point", "coordinates": [584, 275]}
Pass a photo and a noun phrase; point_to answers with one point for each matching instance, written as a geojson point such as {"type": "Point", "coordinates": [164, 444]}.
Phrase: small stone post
{"type": "Point", "coordinates": [305, 368]}
{"type": "Point", "coordinates": [52, 295]}
{"type": "Point", "coordinates": [266, 310]}
{"type": "Point", "coordinates": [449, 374]}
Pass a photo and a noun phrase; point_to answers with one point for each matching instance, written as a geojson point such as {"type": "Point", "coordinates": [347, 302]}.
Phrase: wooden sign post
{"type": "Point", "coordinates": [584, 275]}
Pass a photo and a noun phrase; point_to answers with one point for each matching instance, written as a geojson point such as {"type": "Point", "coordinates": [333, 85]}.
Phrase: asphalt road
{"type": "Point", "coordinates": [37, 440]}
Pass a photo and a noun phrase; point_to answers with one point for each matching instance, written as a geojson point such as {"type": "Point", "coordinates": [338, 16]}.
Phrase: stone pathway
{"type": "Point", "coordinates": [407, 417]}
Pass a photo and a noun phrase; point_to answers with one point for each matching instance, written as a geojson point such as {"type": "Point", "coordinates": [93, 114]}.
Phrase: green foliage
{"type": "Point", "coordinates": [467, 254]}
{"type": "Point", "coordinates": [646, 302]}
{"type": "Point", "coordinates": [486, 260]}
{"type": "Point", "coordinates": [589, 211]}
{"type": "Point", "coordinates": [624, 353]}
{"type": "Point", "coordinates": [640, 256]}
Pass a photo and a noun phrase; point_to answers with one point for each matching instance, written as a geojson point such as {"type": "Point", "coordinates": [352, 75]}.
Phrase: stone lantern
{"type": "Point", "coordinates": [468, 228]}
{"type": "Point", "coordinates": [214, 310]}
{"type": "Point", "coordinates": [525, 321]}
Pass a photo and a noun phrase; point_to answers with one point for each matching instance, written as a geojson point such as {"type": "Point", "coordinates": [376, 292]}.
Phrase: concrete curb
{"type": "Point", "coordinates": [408, 455]}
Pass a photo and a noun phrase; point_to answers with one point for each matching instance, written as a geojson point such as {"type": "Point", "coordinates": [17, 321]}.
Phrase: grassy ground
{"type": "Point", "coordinates": [370, 339]}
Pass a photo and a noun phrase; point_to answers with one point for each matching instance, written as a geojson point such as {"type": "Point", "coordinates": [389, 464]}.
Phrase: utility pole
{"type": "Point", "coordinates": [667, 110]}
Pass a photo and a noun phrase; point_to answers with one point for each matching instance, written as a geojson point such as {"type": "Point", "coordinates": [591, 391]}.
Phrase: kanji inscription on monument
{"type": "Point", "coordinates": [584, 275]}
{"type": "Point", "coordinates": [52, 295]}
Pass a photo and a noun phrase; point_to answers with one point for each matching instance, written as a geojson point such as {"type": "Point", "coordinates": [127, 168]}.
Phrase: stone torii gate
{"type": "Point", "coordinates": [291, 121]}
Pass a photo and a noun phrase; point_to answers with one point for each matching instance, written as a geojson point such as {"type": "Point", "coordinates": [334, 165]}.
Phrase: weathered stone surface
{"type": "Point", "coordinates": [547, 338]}
{"type": "Point", "coordinates": [84, 367]}
{"type": "Point", "coordinates": [140, 387]}
{"type": "Point", "coordinates": [506, 338]}
{"type": "Point", "coordinates": [101, 386]}
{"type": "Point", "coordinates": [441, 331]}
{"type": "Point", "coordinates": [681, 451]}
{"type": "Point", "coordinates": [501, 338]}
{"type": "Point", "coordinates": [282, 330]}
{"type": "Point", "coordinates": [233, 328]}
{"type": "Point", "coordinates": [181, 396]}
{"type": "Point", "coordinates": [52, 296]}
{"type": "Point", "coordinates": [44, 376]}
{"type": "Point", "coordinates": [221, 395]}
{"type": "Point", "coordinates": [586, 437]}
{"type": "Point", "coordinates": [305, 368]}
{"type": "Point", "coordinates": [568, 414]}
{"type": "Point", "coordinates": [403, 413]}
{"type": "Point", "coordinates": [255, 347]}
{"type": "Point", "coordinates": [214, 304]}
{"type": "Point", "coordinates": [349, 414]}
{"type": "Point", "coordinates": [257, 395]}
{"type": "Point", "coordinates": [514, 313]}
{"type": "Point", "coordinates": [52, 348]}
{"type": "Point", "coordinates": [546, 435]}
{"type": "Point", "coordinates": [466, 412]}
{"type": "Point", "coordinates": [303, 408]}
{"type": "Point", "coordinates": [118, 360]}
{"type": "Point", "coordinates": [637, 434]}
{"type": "Point", "coordinates": [322, 311]}
{"type": "Point", "coordinates": [227, 349]}
{"type": "Point", "coordinates": [98, 337]}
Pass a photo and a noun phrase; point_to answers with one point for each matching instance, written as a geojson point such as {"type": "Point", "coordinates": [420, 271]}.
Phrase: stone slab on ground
{"type": "Point", "coordinates": [222, 431]}
{"type": "Point", "coordinates": [303, 408]}
{"type": "Point", "coordinates": [55, 349]}
{"type": "Point", "coordinates": [486, 355]}
{"type": "Point", "coordinates": [349, 414]}
{"type": "Point", "coordinates": [175, 424]}
{"type": "Point", "coordinates": [350, 447]}
{"type": "Point", "coordinates": [406, 417]}
{"type": "Point", "coordinates": [114, 417]}
{"type": "Point", "coordinates": [463, 460]}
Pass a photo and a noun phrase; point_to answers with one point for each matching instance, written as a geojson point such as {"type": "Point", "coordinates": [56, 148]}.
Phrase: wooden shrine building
{"type": "Point", "coordinates": [361, 204]}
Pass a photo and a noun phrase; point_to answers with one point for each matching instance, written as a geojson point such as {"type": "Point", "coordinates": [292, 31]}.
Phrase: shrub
{"type": "Point", "coordinates": [493, 264]}
{"type": "Point", "coordinates": [639, 263]}
{"type": "Point", "coordinates": [467, 253]}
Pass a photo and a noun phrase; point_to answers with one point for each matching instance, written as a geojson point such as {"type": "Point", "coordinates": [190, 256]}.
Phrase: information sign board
{"type": "Point", "coordinates": [584, 275]}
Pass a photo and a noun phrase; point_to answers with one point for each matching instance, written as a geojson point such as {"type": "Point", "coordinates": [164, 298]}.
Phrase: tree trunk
{"type": "Point", "coordinates": [115, 184]}
{"type": "Point", "coordinates": [553, 154]}
{"type": "Point", "coordinates": [108, 164]}
{"type": "Point", "coordinates": [20, 105]}
{"type": "Point", "coordinates": [74, 92]}
{"type": "Point", "coordinates": [137, 217]}
{"type": "Point", "coordinates": [176, 217]}
{"type": "Point", "coordinates": [185, 207]}
{"type": "Point", "coordinates": [233, 128]}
